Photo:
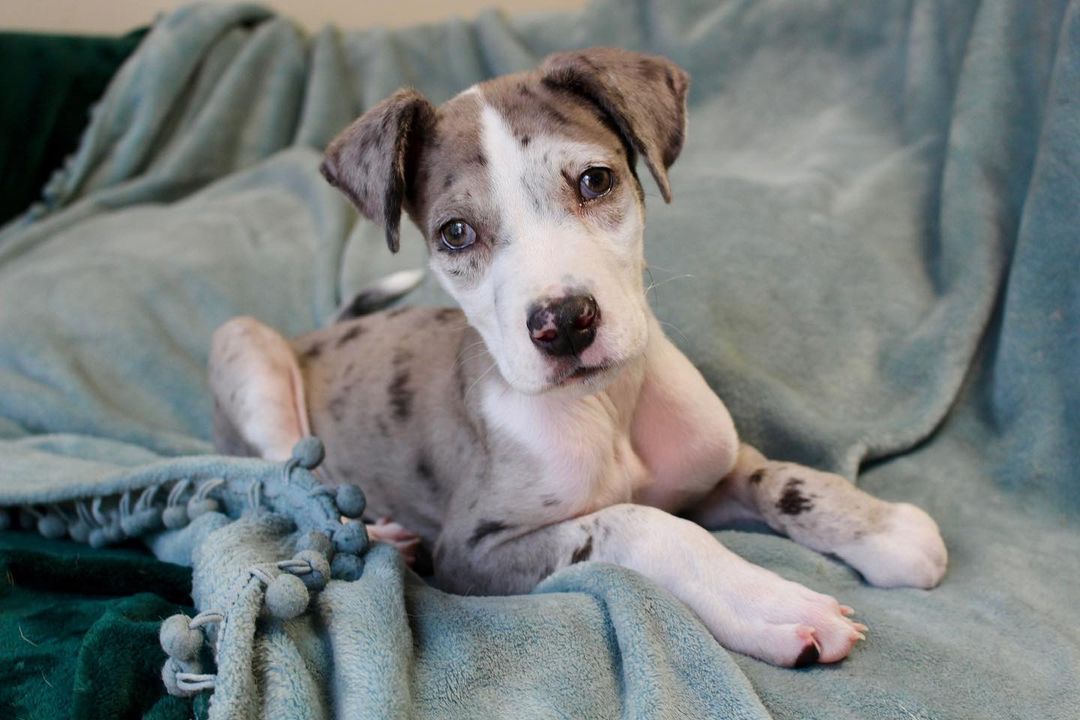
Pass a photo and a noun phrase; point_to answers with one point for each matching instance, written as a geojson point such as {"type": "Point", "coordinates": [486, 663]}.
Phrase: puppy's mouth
{"type": "Point", "coordinates": [582, 374]}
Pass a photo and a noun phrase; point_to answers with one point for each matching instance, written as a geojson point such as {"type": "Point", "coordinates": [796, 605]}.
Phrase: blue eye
{"type": "Point", "coordinates": [595, 182]}
{"type": "Point", "coordinates": [457, 235]}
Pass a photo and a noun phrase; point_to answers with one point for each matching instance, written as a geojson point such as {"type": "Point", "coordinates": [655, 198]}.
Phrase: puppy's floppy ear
{"type": "Point", "coordinates": [373, 161]}
{"type": "Point", "coordinates": [644, 95]}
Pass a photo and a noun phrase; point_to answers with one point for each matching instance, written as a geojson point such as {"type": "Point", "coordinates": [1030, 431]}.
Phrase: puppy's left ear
{"type": "Point", "coordinates": [373, 161]}
{"type": "Point", "coordinates": [644, 95]}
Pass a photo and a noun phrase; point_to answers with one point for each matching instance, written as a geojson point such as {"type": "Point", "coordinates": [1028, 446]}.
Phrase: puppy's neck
{"type": "Point", "coordinates": [613, 394]}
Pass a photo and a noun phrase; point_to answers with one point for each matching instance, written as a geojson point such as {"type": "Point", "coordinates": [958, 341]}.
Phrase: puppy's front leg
{"type": "Point", "coordinates": [891, 544]}
{"type": "Point", "coordinates": [747, 608]}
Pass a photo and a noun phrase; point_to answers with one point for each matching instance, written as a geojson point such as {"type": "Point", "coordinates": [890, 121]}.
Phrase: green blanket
{"type": "Point", "coordinates": [872, 255]}
{"type": "Point", "coordinates": [79, 627]}
{"type": "Point", "coordinates": [49, 83]}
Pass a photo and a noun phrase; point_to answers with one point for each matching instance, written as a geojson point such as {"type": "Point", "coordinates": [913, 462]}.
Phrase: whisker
{"type": "Point", "coordinates": [473, 358]}
{"type": "Point", "coordinates": [652, 266]}
{"type": "Point", "coordinates": [473, 353]}
{"type": "Point", "coordinates": [469, 347]}
{"type": "Point", "coordinates": [667, 280]}
{"type": "Point", "coordinates": [675, 327]}
{"type": "Point", "coordinates": [480, 377]}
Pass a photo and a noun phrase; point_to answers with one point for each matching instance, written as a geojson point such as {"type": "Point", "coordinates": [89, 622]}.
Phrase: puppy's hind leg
{"type": "Point", "coordinates": [260, 408]}
{"type": "Point", "coordinates": [259, 405]}
{"type": "Point", "coordinates": [890, 544]}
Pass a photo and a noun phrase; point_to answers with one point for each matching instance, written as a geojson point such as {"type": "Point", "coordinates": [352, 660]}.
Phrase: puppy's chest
{"type": "Point", "coordinates": [581, 449]}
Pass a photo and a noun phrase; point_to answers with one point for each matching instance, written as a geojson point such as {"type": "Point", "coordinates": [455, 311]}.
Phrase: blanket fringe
{"type": "Point", "coordinates": [328, 545]}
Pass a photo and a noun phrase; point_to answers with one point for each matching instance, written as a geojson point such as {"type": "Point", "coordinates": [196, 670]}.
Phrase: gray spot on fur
{"type": "Point", "coordinates": [425, 472]}
{"type": "Point", "coordinates": [792, 501]}
{"type": "Point", "coordinates": [583, 553]}
{"type": "Point", "coordinates": [485, 528]}
{"type": "Point", "coordinates": [337, 408]}
{"type": "Point", "coordinates": [351, 334]}
{"type": "Point", "coordinates": [401, 395]}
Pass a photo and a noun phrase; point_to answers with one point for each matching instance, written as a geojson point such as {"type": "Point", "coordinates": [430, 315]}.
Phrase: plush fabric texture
{"type": "Point", "coordinates": [79, 628]}
{"type": "Point", "coordinates": [872, 255]}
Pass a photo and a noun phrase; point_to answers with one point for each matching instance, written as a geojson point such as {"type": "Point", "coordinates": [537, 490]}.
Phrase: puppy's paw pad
{"type": "Point", "coordinates": [386, 531]}
{"type": "Point", "coordinates": [907, 551]}
{"type": "Point", "coordinates": [810, 654]}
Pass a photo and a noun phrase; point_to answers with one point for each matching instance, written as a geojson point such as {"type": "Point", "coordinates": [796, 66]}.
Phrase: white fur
{"type": "Point", "coordinates": [908, 552]}
{"type": "Point", "coordinates": [590, 461]}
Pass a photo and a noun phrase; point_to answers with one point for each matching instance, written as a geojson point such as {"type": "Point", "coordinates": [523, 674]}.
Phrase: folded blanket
{"type": "Point", "coordinates": [872, 256]}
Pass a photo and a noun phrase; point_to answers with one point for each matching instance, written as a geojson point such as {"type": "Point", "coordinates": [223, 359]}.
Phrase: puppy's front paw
{"type": "Point", "coordinates": [801, 627]}
{"type": "Point", "coordinates": [907, 550]}
{"type": "Point", "coordinates": [759, 613]}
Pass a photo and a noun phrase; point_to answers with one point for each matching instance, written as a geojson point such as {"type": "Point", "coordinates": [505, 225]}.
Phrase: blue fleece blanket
{"type": "Point", "coordinates": [873, 255]}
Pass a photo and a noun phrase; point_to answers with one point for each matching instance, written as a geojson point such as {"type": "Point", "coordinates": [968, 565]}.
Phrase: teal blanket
{"type": "Point", "coordinates": [873, 255]}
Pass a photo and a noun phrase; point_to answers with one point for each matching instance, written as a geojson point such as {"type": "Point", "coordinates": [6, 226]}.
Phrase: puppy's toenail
{"type": "Point", "coordinates": [808, 656]}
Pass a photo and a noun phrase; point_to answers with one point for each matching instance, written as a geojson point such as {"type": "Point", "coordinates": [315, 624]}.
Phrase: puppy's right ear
{"type": "Point", "coordinates": [373, 161]}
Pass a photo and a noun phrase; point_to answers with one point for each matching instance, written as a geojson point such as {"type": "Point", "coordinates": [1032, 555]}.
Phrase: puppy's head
{"type": "Point", "coordinates": [525, 188]}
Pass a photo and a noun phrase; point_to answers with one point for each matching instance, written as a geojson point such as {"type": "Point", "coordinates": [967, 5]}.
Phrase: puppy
{"type": "Point", "coordinates": [549, 421]}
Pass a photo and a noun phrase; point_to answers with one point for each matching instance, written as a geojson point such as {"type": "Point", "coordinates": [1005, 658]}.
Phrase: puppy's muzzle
{"type": "Point", "coordinates": [565, 326]}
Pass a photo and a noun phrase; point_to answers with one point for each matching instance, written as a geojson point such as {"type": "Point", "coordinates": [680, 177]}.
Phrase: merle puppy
{"type": "Point", "coordinates": [549, 421]}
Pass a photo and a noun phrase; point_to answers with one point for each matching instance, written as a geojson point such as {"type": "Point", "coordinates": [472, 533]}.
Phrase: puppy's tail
{"type": "Point", "coordinates": [383, 293]}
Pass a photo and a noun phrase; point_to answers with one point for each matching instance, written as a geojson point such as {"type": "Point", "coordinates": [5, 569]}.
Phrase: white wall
{"type": "Point", "coordinates": [119, 16]}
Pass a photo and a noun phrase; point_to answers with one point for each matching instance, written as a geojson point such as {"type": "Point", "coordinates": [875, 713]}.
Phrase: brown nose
{"type": "Point", "coordinates": [565, 326]}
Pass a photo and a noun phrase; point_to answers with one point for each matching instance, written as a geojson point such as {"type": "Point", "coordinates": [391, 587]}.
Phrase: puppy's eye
{"type": "Point", "coordinates": [457, 235]}
{"type": "Point", "coordinates": [595, 182]}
